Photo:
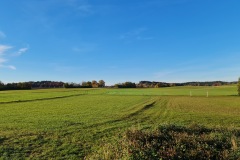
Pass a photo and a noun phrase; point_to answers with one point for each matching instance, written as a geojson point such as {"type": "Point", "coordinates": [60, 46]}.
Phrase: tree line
{"type": "Point", "coordinates": [149, 84]}
{"type": "Point", "coordinates": [88, 84]}
{"type": "Point", "coordinates": [50, 84]}
{"type": "Point", "coordinates": [101, 84]}
{"type": "Point", "coordinates": [15, 86]}
{"type": "Point", "coordinates": [125, 85]}
{"type": "Point", "coordinates": [30, 85]}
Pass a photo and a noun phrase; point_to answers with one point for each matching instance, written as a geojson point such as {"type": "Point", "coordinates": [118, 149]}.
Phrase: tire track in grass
{"type": "Point", "coordinates": [158, 114]}
{"type": "Point", "coordinates": [165, 113]}
{"type": "Point", "coordinates": [85, 92]}
{"type": "Point", "coordinates": [102, 132]}
{"type": "Point", "coordinates": [111, 127]}
{"type": "Point", "coordinates": [146, 114]}
{"type": "Point", "coordinates": [42, 99]}
{"type": "Point", "coordinates": [143, 106]}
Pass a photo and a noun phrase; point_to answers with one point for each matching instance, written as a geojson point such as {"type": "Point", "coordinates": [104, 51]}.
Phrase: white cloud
{"type": "Point", "coordinates": [2, 35]}
{"type": "Point", "coordinates": [3, 60]}
{"type": "Point", "coordinates": [4, 48]}
{"type": "Point", "coordinates": [8, 67]}
{"type": "Point", "coordinates": [11, 67]}
{"type": "Point", "coordinates": [21, 51]}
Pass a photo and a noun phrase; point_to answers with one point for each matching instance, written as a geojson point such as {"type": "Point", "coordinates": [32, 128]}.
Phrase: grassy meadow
{"type": "Point", "coordinates": [79, 123]}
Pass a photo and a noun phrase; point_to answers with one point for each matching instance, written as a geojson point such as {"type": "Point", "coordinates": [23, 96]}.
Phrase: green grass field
{"type": "Point", "coordinates": [75, 123]}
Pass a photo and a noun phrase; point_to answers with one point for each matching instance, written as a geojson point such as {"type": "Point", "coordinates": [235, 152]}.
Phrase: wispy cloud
{"type": "Point", "coordinates": [2, 35]}
{"type": "Point", "coordinates": [136, 34]}
{"type": "Point", "coordinates": [21, 51]}
{"type": "Point", "coordinates": [8, 67]}
{"type": "Point", "coordinates": [11, 67]}
{"type": "Point", "coordinates": [5, 55]}
{"type": "Point", "coordinates": [4, 48]}
{"type": "Point", "coordinates": [2, 60]}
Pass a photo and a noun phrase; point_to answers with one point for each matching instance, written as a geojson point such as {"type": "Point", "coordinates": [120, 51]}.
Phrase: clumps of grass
{"type": "Point", "coordinates": [178, 142]}
{"type": "Point", "coordinates": [117, 148]}
{"type": "Point", "coordinates": [175, 142]}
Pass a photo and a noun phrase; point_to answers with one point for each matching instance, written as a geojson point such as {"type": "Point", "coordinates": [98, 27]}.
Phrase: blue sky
{"type": "Point", "coordinates": [119, 40]}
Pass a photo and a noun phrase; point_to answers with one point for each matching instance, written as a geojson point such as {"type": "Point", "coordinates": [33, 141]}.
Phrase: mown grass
{"type": "Point", "coordinates": [78, 123]}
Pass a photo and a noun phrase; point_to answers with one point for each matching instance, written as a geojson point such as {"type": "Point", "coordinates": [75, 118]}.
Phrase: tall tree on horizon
{"type": "Point", "coordinates": [94, 84]}
{"type": "Point", "coordinates": [238, 86]}
{"type": "Point", "coordinates": [1, 85]}
{"type": "Point", "coordinates": [101, 83]}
